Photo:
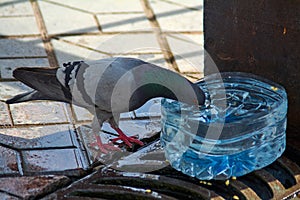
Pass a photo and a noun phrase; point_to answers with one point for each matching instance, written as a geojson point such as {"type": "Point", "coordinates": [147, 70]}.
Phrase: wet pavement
{"type": "Point", "coordinates": [45, 146]}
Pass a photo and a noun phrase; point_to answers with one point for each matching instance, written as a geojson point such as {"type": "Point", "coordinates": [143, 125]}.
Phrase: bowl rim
{"type": "Point", "coordinates": [279, 91]}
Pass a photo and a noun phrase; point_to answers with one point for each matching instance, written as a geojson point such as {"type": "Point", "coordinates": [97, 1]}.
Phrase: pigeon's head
{"type": "Point", "coordinates": [192, 95]}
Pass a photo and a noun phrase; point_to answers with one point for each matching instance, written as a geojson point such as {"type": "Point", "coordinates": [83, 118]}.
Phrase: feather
{"type": "Point", "coordinates": [45, 83]}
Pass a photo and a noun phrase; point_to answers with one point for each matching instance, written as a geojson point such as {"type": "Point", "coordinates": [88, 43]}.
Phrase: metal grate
{"type": "Point", "coordinates": [280, 180]}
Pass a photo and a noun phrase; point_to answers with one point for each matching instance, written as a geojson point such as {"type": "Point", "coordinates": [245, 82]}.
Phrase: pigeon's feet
{"type": "Point", "coordinates": [104, 148]}
{"type": "Point", "coordinates": [127, 140]}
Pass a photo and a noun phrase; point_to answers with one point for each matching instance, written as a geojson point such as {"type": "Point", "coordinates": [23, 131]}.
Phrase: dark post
{"type": "Point", "coordinates": [261, 37]}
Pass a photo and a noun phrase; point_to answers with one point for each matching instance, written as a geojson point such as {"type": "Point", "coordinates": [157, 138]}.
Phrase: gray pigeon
{"type": "Point", "coordinates": [106, 88]}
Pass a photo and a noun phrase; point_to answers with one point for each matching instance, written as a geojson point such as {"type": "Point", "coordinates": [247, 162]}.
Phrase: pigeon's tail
{"type": "Point", "coordinates": [28, 96]}
{"type": "Point", "coordinates": [45, 85]}
{"type": "Point", "coordinates": [34, 77]}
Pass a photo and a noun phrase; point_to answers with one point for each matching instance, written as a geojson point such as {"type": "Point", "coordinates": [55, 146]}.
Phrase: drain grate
{"type": "Point", "coordinates": [280, 180]}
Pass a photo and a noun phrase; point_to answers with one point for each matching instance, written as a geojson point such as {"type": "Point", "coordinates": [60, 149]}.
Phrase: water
{"type": "Point", "coordinates": [240, 128]}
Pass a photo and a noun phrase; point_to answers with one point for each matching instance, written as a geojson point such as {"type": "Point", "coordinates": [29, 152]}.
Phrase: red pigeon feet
{"type": "Point", "coordinates": [104, 148]}
{"type": "Point", "coordinates": [127, 140]}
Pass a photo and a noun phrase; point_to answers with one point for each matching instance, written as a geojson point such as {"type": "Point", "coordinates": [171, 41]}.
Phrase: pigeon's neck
{"type": "Point", "coordinates": [168, 84]}
{"type": "Point", "coordinates": [188, 93]}
{"type": "Point", "coordinates": [160, 82]}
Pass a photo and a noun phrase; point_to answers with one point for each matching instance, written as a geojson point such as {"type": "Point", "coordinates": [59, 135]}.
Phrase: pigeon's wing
{"type": "Point", "coordinates": [45, 85]}
{"type": "Point", "coordinates": [108, 84]}
{"type": "Point", "coordinates": [131, 82]}
{"type": "Point", "coordinates": [81, 78]}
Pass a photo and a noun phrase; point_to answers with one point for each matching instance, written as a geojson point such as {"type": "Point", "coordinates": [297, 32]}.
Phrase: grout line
{"type": "Point", "coordinates": [98, 23]}
{"type": "Point", "coordinates": [70, 114]}
{"type": "Point", "coordinates": [119, 13]}
{"type": "Point", "coordinates": [47, 148]}
{"type": "Point", "coordinates": [20, 162]}
{"type": "Point", "coordinates": [95, 33]}
{"type": "Point", "coordinates": [162, 40]}
{"type": "Point", "coordinates": [22, 57]}
{"type": "Point", "coordinates": [10, 115]}
{"type": "Point", "coordinates": [43, 30]}
{"type": "Point", "coordinates": [15, 16]}
{"type": "Point", "coordinates": [12, 194]}
{"type": "Point", "coordinates": [82, 46]}
{"type": "Point", "coordinates": [72, 117]}
{"type": "Point", "coordinates": [20, 36]}
{"type": "Point", "coordinates": [35, 125]}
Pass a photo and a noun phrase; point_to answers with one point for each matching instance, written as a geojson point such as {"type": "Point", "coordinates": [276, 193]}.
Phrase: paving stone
{"type": "Point", "coordinates": [66, 20]}
{"type": "Point", "coordinates": [190, 38]}
{"type": "Point", "coordinates": [198, 4]}
{"type": "Point", "coordinates": [5, 196]}
{"type": "Point", "coordinates": [52, 160]}
{"type": "Point", "coordinates": [10, 89]}
{"type": "Point", "coordinates": [131, 43]}
{"type": "Point", "coordinates": [15, 8]}
{"type": "Point", "coordinates": [82, 114]}
{"type": "Point", "coordinates": [67, 52]}
{"type": "Point", "coordinates": [169, 6]}
{"type": "Point", "coordinates": [151, 108]}
{"type": "Point", "coordinates": [39, 112]}
{"type": "Point", "coordinates": [18, 26]}
{"type": "Point", "coordinates": [32, 187]}
{"type": "Point", "coordinates": [123, 22]}
{"type": "Point", "coordinates": [13, 142]}
{"type": "Point", "coordinates": [38, 136]}
{"type": "Point", "coordinates": [21, 47]}
{"type": "Point", "coordinates": [172, 17]}
{"type": "Point", "coordinates": [7, 66]}
{"type": "Point", "coordinates": [4, 115]}
{"type": "Point", "coordinates": [53, 150]}
{"type": "Point", "coordinates": [189, 55]}
{"type": "Point", "coordinates": [193, 64]}
{"type": "Point", "coordinates": [106, 6]}
{"type": "Point", "coordinates": [8, 162]}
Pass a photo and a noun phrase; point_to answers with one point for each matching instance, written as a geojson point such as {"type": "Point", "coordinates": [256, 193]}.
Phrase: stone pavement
{"type": "Point", "coordinates": [44, 145]}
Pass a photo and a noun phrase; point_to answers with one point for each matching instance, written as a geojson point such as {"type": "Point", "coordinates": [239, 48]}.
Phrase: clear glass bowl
{"type": "Point", "coordinates": [240, 128]}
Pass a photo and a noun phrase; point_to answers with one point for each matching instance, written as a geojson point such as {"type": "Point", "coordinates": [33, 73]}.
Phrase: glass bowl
{"type": "Point", "coordinates": [241, 127]}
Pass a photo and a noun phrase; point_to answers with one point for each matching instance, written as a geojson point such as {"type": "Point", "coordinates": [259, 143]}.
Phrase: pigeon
{"type": "Point", "coordinates": [106, 88]}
